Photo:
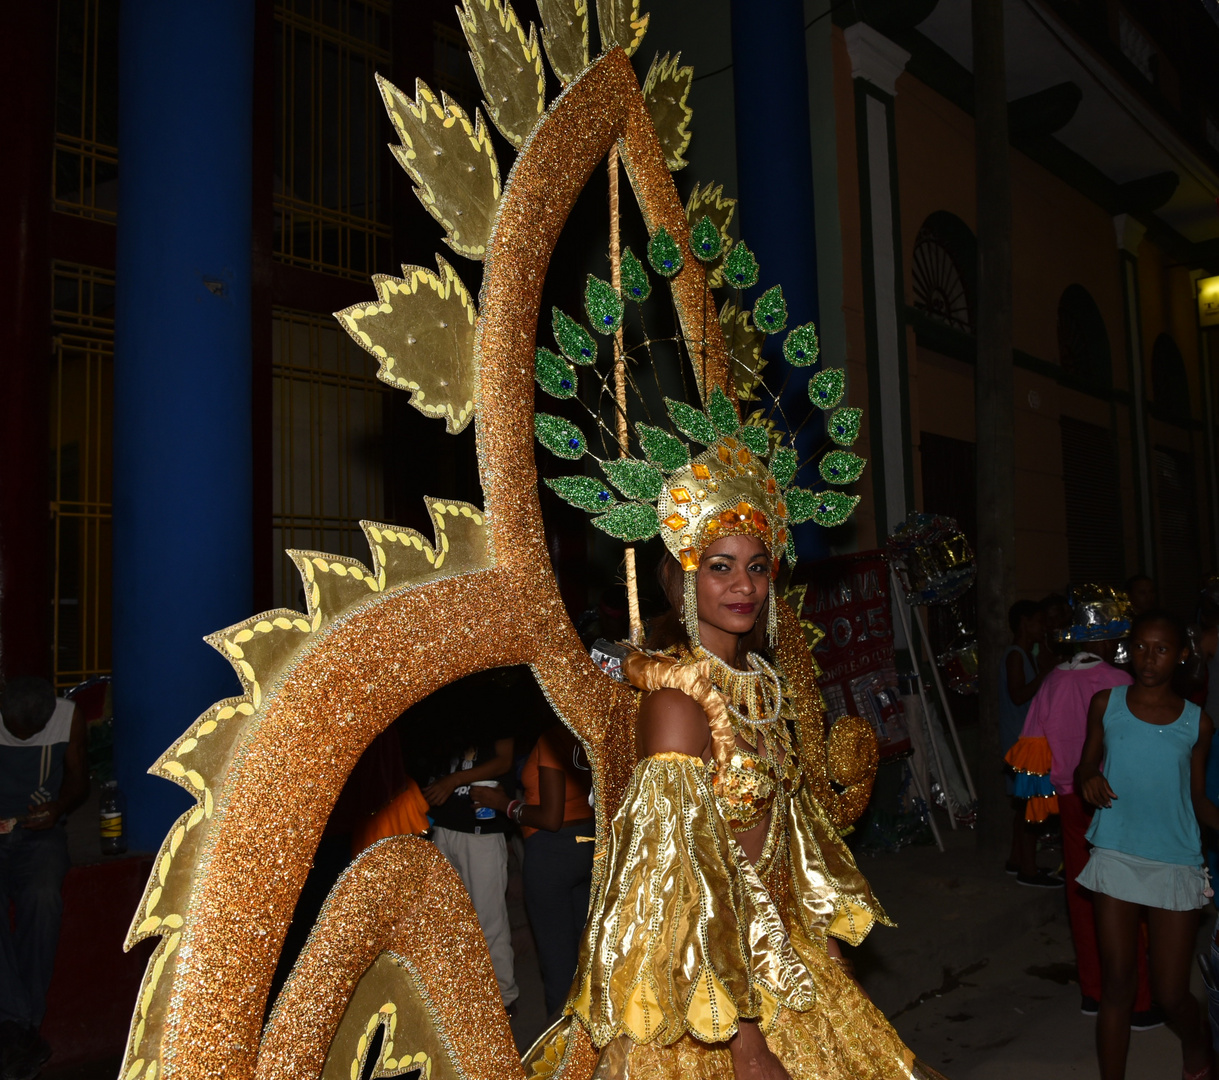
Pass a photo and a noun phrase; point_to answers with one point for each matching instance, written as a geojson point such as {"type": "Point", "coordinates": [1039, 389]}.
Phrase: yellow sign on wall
{"type": "Point", "coordinates": [1208, 302]}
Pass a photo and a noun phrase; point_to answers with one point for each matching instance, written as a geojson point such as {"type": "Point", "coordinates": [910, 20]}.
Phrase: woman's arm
{"type": "Point", "coordinates": [440, 789]}
{"type": "Point", "coordinates": [1088, 779]}
{"type": "Point", "coordinates": [548, 815]}
{"type": "Point", "coordinates": [1206, 811]}
{"type": "Point", "coordinates": [672, 722]}
{"type": "Point", "coordinates": [1020, 689]}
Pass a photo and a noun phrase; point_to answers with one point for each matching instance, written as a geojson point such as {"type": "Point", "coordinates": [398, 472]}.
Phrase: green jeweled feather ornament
{"type": "Point", "coordinates": [705, 240]}
{"type": "Point", "coordinates": [636, 285]}
{"type": "Point", "coordinates": [691, 422]}
{"type": "Point", "coordinates": [664, 254]}
{"type": "Point", "coordinates": [554, 374]}
{"type": "Point", "coordinates": [603, 304]}
{"type": "Point", "coordinates": [561, 437]}
{"type": "Point", "coordinates": [629, 522]}
{"type": "Point", "coordinates": [741, 268]}
{"type": "Point", "coordinates": [723, 413]}
{"type": "Point", "coordinates": [843, 427]}
{"type": "Point", "coordinates": [833, 508]}
{"type": "Point", "coordinates": [662, 448]}
{"type": "Point", "coordinates": [756, 438]}
{"type": "Point", "coordinates": [825, 389]}
{"type": "Point", "coordinates": [801, 348]}
{"type": "Point", "coordinates": [791, 550]}
{"type": "Point", "coordinates": [783, 465]}
{"type": "Point", "coordinates": [841, 467]}
{"type": "Point", "coordinates": [584, 492]}
{"type": "Point", "coordinates": [770, 312]}
{"type": "Point", "coordinates": [576, 343]}
{"type": "Point", "coordinates": [635, 479]}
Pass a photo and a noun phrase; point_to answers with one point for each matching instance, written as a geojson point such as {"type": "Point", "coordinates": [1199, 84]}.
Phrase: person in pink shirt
{"type": "Point", "coordinates": [1059, 715]}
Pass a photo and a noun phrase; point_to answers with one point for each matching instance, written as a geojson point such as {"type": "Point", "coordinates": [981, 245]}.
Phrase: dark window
{"type": "Point", "coordinates": [1090, 480]}
{"type": "Point", "coordinates": [943, 270]}
{"type": "Point", "coordinates": [1177, 503]}
{"type": "Point", "coordinates": [1169, 383]}
{"type": "Point", "coordinates": [1083, 341]}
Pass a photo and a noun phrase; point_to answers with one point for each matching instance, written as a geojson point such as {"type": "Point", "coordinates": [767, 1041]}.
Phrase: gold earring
{"type": "Point", "coordinates": [689, 608]}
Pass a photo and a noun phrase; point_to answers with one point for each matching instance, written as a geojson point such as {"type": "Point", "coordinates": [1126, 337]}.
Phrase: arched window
{"type": "Point", "coordinates": [944, 270]}
{"type": "Point", "coordinates": [1169, 383]}
{"type": "Point", "coordinates": [1083, 341]}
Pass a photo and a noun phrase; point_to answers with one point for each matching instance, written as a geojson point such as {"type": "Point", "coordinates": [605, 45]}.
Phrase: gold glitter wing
{"type": "Point", "coordinates": [665, 90]}
{"type": "Point", "coordinates": [710, 202]}
{"type": "Point", "coordinates": [451, 161]}
{"type": "Point", "coordinates": [621, 24]}
{"type": "Point", "coordinates": [421, 330]}
{"type": "Point", "coordinates": [565, 36]}
{"type": "Point", "coordinates": [508, 64]}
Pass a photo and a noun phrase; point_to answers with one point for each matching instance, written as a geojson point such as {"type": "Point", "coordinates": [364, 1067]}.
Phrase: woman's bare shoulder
{"type": "Point", "coordinates": [671, 721]}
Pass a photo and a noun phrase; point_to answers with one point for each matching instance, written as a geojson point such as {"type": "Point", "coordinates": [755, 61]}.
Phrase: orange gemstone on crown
{"type": "Point", "coordinates": [744, 511]}
{"type": "Point", "coordinates": [744, 456]}
{"type": "Point", "coordinates": [728, 517]}
{"type": "Point", "coordinates": [676, 522]}
{"type": "Point", "coordinates": [701, 472]}
{"type": "Point", "coordinates": [680, 494]}
{"type": "Point", "coordinates": [771, 487]}
{"type": "Point", "coordinates": [689, 558]}
{"type": "Point", "coordinates": [725, 454]}
{"type": "Point", "coordinates": [759, 519]}
{"type": "Point", "coordinates": [730, 443]}
{"type": "Point", "coordinates": [781, 510]}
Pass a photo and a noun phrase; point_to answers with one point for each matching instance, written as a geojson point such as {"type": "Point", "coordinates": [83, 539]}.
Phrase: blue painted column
{"type": "Point", "coordinates": [775, 191]}
{"type": "Point", "coordinates": [182, 378]}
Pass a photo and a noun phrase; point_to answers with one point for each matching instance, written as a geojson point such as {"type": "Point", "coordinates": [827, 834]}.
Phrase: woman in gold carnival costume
{"type": "Point", "coordinates": [721, 882]}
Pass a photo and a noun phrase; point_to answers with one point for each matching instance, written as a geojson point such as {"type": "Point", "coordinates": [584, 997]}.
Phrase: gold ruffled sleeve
{"type": "Point", "coordinates": [831, 895]}
{"type": "Point", "coordinates": [682, 936]}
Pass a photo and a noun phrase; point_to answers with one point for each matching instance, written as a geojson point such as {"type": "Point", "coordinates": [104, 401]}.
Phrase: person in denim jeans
{"type": "Point", "coordinates": [43, 777]}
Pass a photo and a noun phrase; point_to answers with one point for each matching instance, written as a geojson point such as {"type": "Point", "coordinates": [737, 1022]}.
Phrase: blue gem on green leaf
{"type": "Point", "coordinates": [722, 412]}
{"type": "Point", "coordinates": [741, 268]}
{"type": "Point", "coordinates": [825, 389]}
{"type": "Point", "coordinates": [801, 348]}
{"type": "Point", "coordinates": [561, 437]}
{"type": "Point", "coordinates": [584, 492]}
{"type": "Point", "coordinates": [603, 304]}
{"type": "Point", "coordinates": [662, 448]}
{"type": "Point", "coordinates": [770, 312]}
{"type": "Point", "coordinates": [783, 465]}
{"type": "Point", "coordinates": [554, 374]}
{"type": "Point", "coordinates": [575, 342]}
{"type": "Point", "coordinates": [635, 479]}
{"type": "Point", "coordinates": [705, 240]}
{"type": "Point", "coordinates": [691, 422]}
{"type": "Point", "coordinates": [636, 285]}
{"type": "Point", "coordinates": [664, 254]}
{"type": "Point", "coordinates": [841, 467]}
{"type": "Point", "coordinates": [629, 522]}
{"type": "Point", "coordinates": [833, 508]}
{"type": "Point", "coordinates": [757, 439]}
{"type": "Point", "coordinates": [844, 426]}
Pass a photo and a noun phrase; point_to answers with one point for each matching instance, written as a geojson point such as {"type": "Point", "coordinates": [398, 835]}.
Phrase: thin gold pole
{"type": "Point", "coordinates": [632, 579]}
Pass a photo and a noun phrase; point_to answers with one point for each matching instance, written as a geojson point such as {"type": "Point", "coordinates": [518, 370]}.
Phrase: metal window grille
{"type": "Point", "coordinates": [81, 403]}
{"type": "Point", "coordinates": [939, 286]}
{"type": "Point", "coordinates": [85, 168]}
{"type": "Point", "coordinates": [327, 452]}
{"type": "Point", "coordinates": [329, 144]}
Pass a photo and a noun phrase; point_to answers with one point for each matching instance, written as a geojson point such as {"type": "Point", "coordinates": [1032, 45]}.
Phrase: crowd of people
{"type": "Point", "coordinates": [1103, 723]}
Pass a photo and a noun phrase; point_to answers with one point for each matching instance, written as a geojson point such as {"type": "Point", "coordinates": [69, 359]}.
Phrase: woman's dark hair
{"type": "Point", "coordinates": [666, 629]}
{"type": "Point", "coordinates": [1021, 610]}
{"type": "Point", "coordinates": [1160, 615]}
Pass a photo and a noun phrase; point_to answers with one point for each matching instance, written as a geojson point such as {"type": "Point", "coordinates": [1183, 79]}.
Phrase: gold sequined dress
{"type": "Point", "coordinates": [686, 937]}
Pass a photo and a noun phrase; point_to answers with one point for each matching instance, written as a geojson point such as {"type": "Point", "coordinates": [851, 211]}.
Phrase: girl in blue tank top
{"type": "Point", "coordinates": [1144, 767]}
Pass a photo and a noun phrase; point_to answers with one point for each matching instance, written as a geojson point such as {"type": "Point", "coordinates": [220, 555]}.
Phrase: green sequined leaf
{"type": "Point", "coordinates": [833, 508]}
{"type": "Point", "coordinates": [801, 348]}
{"type": "Point", "coordinates": [770, 312]}
{"type": "Point", "coordinates": [635, 479]}
{"type": "Point", "coordinates": [691, 422]}
{"type": "Point", "coordinates": [844, 426]}
{"type": "Point", "coordinates": [662, 448]}
{"type": "Point", "coordinates": [583, 491]}
{"type": "Point", "coordinates": [757, 439]}
{"type": "Point", "coordinates": [664, 254]}
{"type": "Point", "coordinates": [629, 522]}
{"type": "Point", "coordinates": [791, 549]}
{"type": "Point", "coordinates": [576, 343]}
{"type": "Point", "coordinates": [783, 465]}
{"type": "Point", "coordinates": [603, 304]}
{"type": "Point", "coordinates": [841, 467]}
{"type": "Point", "coordinates": [636, 285]}
{"type": "Point", "coordinates": [554, 374]}
{"type": "Point", "coordinates": [723, 413]}
{"type": "Point", "coordinates": [825, 389]}
{"type": "Point", "coordinates": [705, 240]}
{"type": "Point", "coordinates": [741, 268]}
{"type": "Point", "coordinates": [561, 437]}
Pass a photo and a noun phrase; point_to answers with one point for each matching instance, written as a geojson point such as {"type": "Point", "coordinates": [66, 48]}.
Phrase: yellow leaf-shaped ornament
{"type": "Point", "coordinates": [665, 90]}
{"type": "Point", "coordinates": [508, 64]}
{"type": "Point", "coordinates": [621, 24]}
{"type": "Point", "coordinates": [451, 161]}
{"type": "Point", "coordinates": [421, 330]}
{"type": "Point", "coordinates": [744, 343]}
{"type": "Point", "coordinates": [565, 35]}
{"type": "Point", "coordinates": [709, 202]}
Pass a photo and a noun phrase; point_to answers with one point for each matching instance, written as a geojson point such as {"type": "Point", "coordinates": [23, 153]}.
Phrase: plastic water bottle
{"type": "Point", "coordinates": [113, 821]}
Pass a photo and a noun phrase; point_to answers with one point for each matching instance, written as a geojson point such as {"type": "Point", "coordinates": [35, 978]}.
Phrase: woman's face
{"type": "Point", "coordinates": [733, 583]}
